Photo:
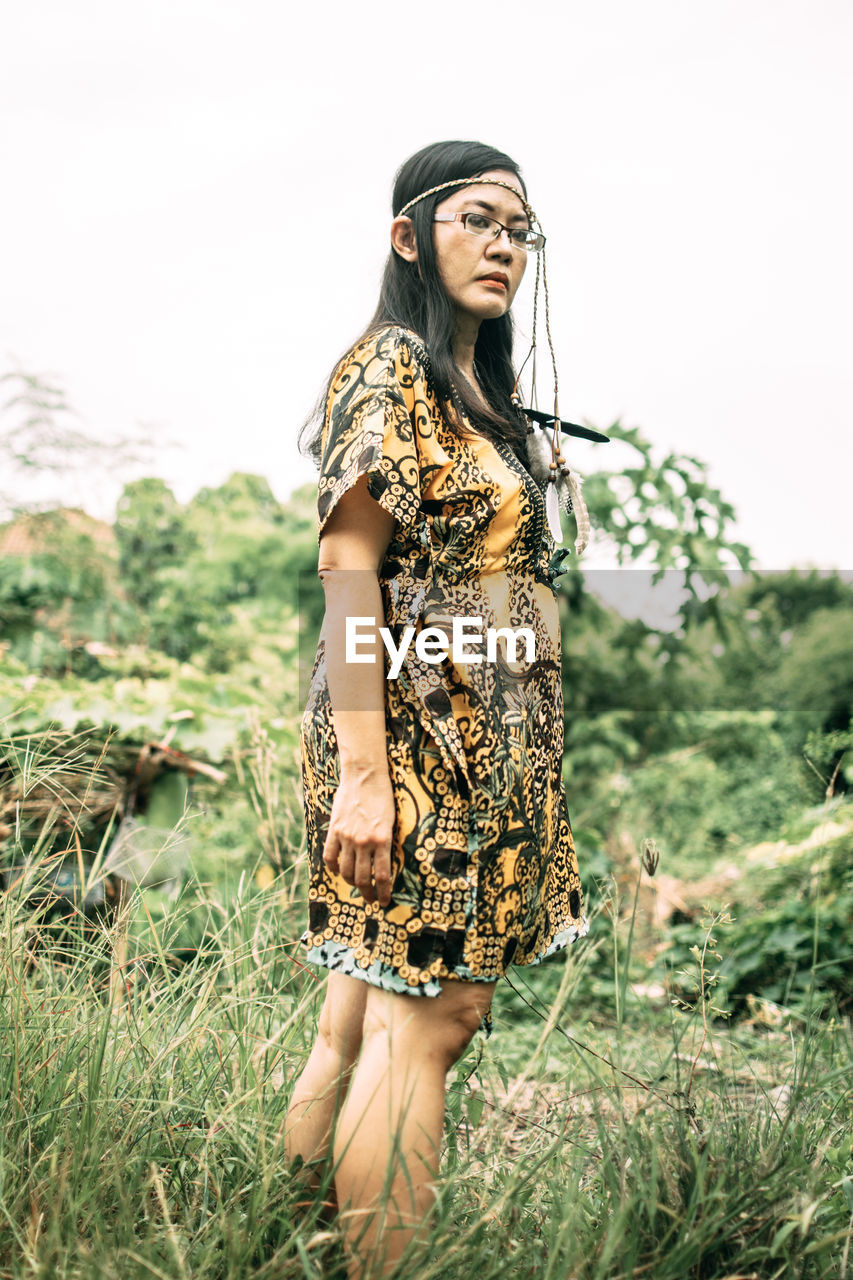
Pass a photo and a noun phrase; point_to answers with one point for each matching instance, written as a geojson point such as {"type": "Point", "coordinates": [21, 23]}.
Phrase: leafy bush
{"type": "Point", "coordinates": [728, 788]}
{"type": "Point", "coordinates": [790, 940]}
{"type": "Point", "coordinates": [58, 588]}
{"type": "Point", "coordinates": [815, 679]}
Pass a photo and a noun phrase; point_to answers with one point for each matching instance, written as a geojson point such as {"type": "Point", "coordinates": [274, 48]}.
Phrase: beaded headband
{"type": "Point", "coordinates": [562, 486]}
{"type": "Point", "coordinates": [470, 182]}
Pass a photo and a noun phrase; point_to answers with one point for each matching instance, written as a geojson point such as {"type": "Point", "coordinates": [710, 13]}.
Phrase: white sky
{"type": "Point", "coordinates": [196, 201]}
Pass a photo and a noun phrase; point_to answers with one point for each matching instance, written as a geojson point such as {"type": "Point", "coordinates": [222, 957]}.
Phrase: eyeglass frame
{"type": "Point", "coordinates": [475, 213]}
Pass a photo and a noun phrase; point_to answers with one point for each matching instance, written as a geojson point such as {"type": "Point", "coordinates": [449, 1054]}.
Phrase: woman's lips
{"type": "Point", "coordinates": [495, 280]}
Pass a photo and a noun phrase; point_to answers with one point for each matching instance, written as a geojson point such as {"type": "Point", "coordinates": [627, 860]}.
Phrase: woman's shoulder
{"type": "Point", "coordinates": [384, 351]}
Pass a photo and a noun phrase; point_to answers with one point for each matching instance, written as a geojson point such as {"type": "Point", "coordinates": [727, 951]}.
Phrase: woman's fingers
{"type": "Point", "coordinates": [346, 862]}
{"type": "Point", "coordinates": [331, 852]}
{"type": "Point", "coordinates": [349, 862]}
{"type": "Point", "coordinates": [366, 867]}
{"type": "Point", "coordinates": [363, 877]}
{"type": "Point", "coordinates": [382, 874]}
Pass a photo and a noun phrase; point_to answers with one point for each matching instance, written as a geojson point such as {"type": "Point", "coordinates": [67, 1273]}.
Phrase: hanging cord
{"type": "Point", "coordinates": [516, 394]}
{"type": "Point", "coordinates": [555, 437]}
{"type": "Point", "coordinates": [562, 485]}
{"type": "Point", "coordinates": [575, 497]}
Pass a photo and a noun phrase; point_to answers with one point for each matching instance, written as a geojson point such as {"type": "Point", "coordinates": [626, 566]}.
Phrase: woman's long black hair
{"type": "Point", "coordinates": [412, 296]}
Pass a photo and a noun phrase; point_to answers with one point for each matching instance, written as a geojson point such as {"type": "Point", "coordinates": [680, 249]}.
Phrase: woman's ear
{"type": "Point", "coordinates": [403, 239]}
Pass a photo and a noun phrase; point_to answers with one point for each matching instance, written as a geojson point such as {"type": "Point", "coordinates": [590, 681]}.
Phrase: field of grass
{"type": "Point", "coordinates": [671, 1099]}
{"type": "Point", "coordinates": [640, 1135]}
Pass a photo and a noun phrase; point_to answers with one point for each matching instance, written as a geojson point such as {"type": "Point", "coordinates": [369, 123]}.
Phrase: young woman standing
{"type": "Point", "coordinates": [439, 839]}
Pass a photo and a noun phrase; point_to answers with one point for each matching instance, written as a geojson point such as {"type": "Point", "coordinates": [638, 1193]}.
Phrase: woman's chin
{"type": "Point", "coordinates": [489, 309]}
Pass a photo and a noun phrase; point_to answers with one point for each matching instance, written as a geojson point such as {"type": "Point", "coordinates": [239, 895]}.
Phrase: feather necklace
{"type": "Point", "coordinates": [561, 485]}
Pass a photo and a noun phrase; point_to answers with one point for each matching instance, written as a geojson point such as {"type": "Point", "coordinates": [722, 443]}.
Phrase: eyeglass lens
{"type": "Point", "coordinates": [522, 237]}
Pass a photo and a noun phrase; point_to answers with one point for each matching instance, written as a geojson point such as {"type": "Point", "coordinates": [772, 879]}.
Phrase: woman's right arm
{"type": "Point", "coordinates": [352, 547]}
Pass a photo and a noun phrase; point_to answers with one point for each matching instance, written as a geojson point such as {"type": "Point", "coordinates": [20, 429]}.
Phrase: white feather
{"type": "Point", "coordinates": [581, 513]}
{"type": "Point", "coordinates": [564, 492]}
{"type": "Point", "coordinates": [540, 455]}
{"type": "Point", "coordinates": [552, 510]}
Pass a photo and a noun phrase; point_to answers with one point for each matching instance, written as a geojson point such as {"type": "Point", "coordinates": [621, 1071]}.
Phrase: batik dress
{"type": "Point", "coordinates": [485, 867]}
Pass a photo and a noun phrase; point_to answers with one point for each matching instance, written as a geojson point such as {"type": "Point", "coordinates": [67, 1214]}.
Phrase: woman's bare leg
{"type": "Point", "coordinates": [320, 1090]}
{"type": "Point", "coordinates": [388, 1135]}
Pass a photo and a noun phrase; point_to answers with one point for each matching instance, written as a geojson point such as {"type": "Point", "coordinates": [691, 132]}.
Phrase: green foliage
{"type": "Point", "coordinates": [725, 789]}
{"type": "Point", "coordinates": [37, 434]}
{"type": "Point", "coordinates": [815, 677]}
{"type": "Point", "coordinates": [699, 738]}
{"type": "Point", "coordinates": [152, 536]}
{"type": "Point", "coordinates": [141, 697]}
{"type": "Point", "coordinates": [665, 514]}
{"type": "Point", "coordinates": [790, 940]}
{"type": "Point", "coordinates": [203, 576]}
{"type": "Point", "coordinates": [201, 715]}
{"type": "Point", "coordinates": [58, 594]}
{"type": "Point", "coordinates": [786, 643]}
{"type": "Point", "coordinates": [830, 755]}
{"type": "Point", "coordinates": [789, 598]}
{"type": "Point", "coordinates": [145, 1134]}
{"type": "Point", "coordinates": [619, 689]}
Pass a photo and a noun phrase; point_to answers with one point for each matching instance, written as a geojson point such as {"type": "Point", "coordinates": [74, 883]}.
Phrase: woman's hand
{"type": "Point", "coordinates": [361, 826]}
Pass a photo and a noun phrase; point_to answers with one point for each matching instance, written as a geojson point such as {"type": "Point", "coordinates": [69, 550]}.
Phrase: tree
{"type": "Point", "coordinates": [40, 436]}
{"type": "Point", "coordinates": [152, 536]}
{"type": "Point", "coordinates": [668, 517]}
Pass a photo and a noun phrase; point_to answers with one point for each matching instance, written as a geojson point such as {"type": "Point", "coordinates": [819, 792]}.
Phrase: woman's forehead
{"type": "Point", "coordinates": [510, 209]}
{"type": "Point", "coordinates": [489, 190]}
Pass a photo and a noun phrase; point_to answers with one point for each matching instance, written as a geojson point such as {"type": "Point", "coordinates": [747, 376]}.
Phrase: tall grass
{"type": "Point", "coordinates": [143, 1119]}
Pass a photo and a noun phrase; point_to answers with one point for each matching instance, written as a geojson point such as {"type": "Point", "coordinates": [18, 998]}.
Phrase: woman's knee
{"type": "Point", "coordinates": [465, 1005]}
{"type": "Point", "coordinates": [440, 1027]}
{"type": "Point", "coordinates": [456, 1034]}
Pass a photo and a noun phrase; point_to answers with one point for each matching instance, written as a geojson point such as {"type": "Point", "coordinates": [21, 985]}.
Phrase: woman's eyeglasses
{"type": "Point", "coordinates": [477, 224]}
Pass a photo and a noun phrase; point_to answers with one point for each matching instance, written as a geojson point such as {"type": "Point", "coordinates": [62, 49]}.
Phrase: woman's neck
{"type": "Point", "coordinates": [464, 342]}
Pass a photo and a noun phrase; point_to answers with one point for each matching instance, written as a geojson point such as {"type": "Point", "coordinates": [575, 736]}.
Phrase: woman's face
{"type": "Point", "coordinates": [481, 274]}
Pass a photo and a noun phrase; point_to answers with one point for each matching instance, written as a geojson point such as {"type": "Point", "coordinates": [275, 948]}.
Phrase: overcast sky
{"type": "Point", "coordinates": [196, 204]}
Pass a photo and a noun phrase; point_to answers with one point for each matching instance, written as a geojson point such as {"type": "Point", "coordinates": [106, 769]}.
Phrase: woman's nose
{"type": "Point", "coordinates": [502, 243]}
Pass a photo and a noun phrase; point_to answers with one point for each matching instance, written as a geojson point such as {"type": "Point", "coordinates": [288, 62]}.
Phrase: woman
{"type": "Point", "coordinates": [439, 839]}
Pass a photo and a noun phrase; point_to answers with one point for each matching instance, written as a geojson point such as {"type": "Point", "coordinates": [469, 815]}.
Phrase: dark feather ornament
{"type": "Point", "coordinates": [567, 428]}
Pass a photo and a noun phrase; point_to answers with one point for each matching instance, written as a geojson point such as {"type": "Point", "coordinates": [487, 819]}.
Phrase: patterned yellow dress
{"type": "Point", "coordinates": [486, 873]}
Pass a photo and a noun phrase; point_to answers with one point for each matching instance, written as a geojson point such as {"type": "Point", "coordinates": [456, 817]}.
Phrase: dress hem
{"type": "Point", "coordinates": [338, 958]}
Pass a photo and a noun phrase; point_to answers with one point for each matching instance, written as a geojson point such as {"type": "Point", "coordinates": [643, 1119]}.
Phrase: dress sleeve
{"type": "Point", "coordinates": [369, 431]}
